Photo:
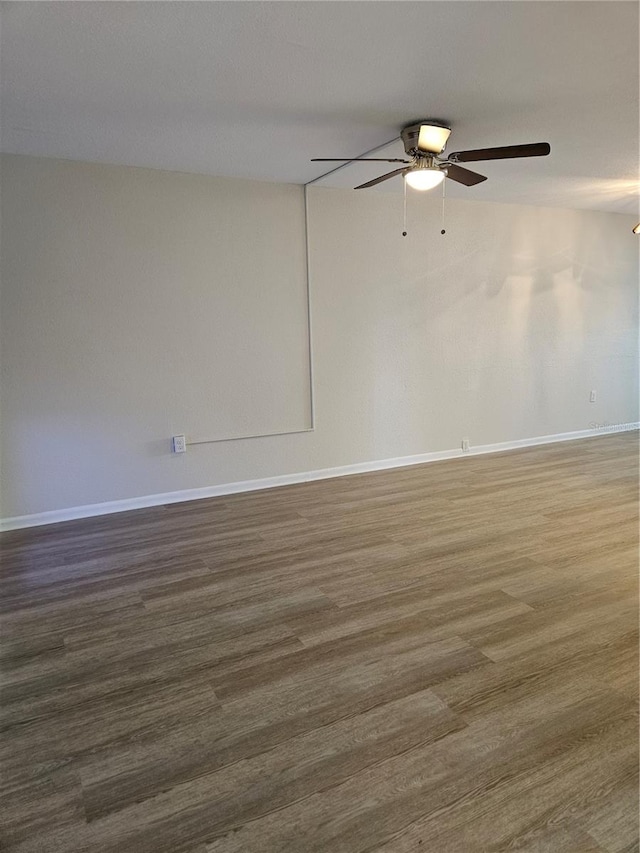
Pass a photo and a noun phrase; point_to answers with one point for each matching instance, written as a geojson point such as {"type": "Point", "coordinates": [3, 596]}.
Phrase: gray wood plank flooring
{"type": "Point", "coordinates": [436, 658]}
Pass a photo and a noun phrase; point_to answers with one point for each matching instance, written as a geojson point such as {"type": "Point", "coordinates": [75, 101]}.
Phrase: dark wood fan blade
{"type": "Point", "coordinates": [353, 159]}
{"type": "Point", "coordinates": [464, 176]}
{"type": "Point", "coordinates": [381, 179]}
{"type": "Point", "coordinates": [536, 149]}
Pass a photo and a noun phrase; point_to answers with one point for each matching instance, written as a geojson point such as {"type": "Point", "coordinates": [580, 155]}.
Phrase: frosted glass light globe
{"type": "Point", "coordinates": [424, 179]}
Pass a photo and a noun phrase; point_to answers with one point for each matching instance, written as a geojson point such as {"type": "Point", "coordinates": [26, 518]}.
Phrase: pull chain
{"type": "Point", "coordinates": [404, 208]}
{"type": "Point", "coordinates": [444, 184]}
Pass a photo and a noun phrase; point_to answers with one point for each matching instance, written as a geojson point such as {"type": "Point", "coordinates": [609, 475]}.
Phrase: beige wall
{"type": "Point", "coordinates": [137, 303]}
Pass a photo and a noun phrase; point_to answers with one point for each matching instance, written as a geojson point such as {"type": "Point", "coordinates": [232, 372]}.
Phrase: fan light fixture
{"type": "Point", "coordinates": [426, 166]}
{"type": "Point", "coordinates": [636, 230]}
{"type": "Point", "coordinates": [433, 138]}
{"type": "Point", "coordinates": [424, 177]}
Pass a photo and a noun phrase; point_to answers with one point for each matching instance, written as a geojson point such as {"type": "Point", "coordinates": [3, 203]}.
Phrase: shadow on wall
{"type": "Point", "coordinates": [496, 322]}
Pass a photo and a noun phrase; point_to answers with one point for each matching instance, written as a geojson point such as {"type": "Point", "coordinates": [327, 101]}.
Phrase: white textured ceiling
{"type": "Point", "coordinates": [255, 90]}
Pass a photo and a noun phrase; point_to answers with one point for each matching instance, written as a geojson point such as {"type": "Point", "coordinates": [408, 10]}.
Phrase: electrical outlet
{"type": "Point", "coordinates": [179, 444]}
{"type": "Point", "coordinates": [592, 397]}
{"type": "Point", "coordinates": [465, 444]}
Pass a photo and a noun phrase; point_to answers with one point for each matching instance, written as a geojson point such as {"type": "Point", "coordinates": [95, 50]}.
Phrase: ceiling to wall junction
{"type": "Point", "coordinates": [255, 89]}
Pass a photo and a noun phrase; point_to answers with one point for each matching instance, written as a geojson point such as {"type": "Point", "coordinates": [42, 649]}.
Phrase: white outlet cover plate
{"type": "Point", "coordinates": [179, 444]}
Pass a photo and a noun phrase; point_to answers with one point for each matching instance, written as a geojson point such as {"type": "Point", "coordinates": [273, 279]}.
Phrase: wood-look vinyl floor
{"type": "Point", "coordinates": [438, 658]}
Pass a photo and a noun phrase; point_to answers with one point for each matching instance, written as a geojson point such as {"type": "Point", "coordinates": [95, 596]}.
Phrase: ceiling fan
{"type": "Point", "coordinates": [424, 143]}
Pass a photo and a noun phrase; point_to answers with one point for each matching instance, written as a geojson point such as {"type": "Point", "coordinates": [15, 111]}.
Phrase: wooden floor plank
{"type": "Point", "coordinates": [440, 657]}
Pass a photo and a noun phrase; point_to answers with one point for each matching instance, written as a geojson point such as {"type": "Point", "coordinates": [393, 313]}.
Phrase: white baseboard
{"type": "Point", "coordinates": [89, 510]}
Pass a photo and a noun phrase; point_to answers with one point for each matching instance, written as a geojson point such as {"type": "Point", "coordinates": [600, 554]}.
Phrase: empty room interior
{"type": "Point", "coordinates": [319, 426]}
